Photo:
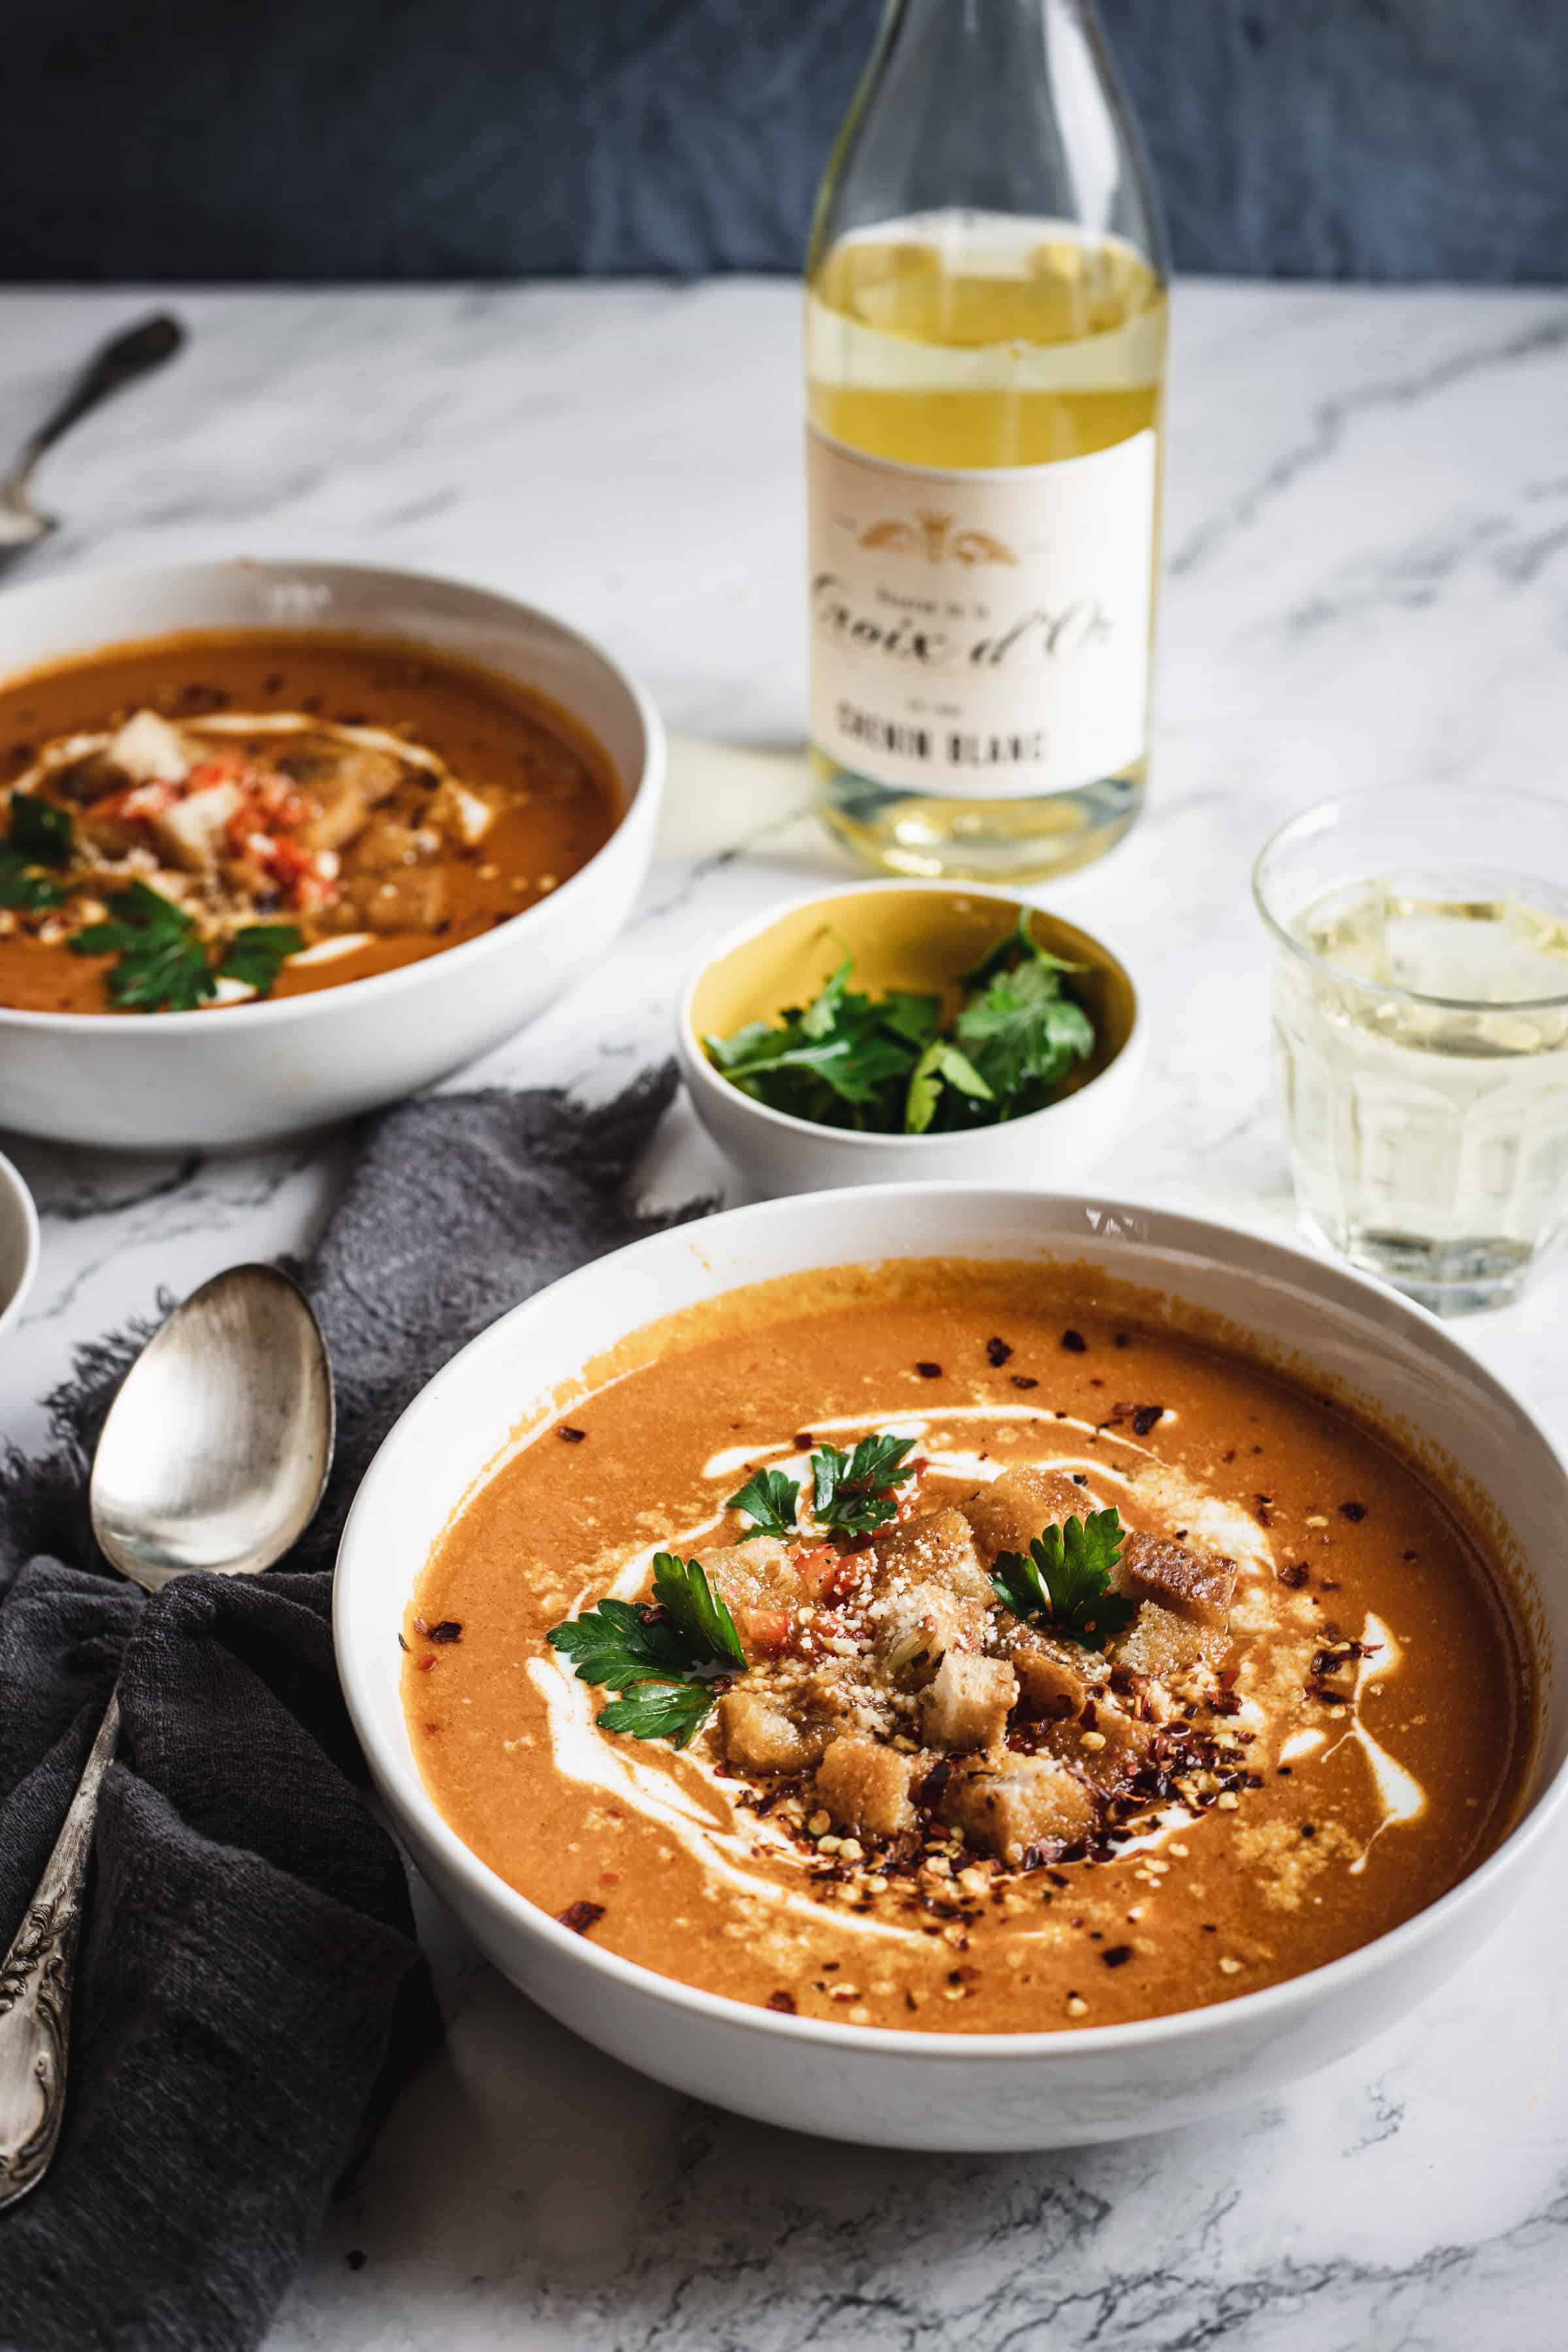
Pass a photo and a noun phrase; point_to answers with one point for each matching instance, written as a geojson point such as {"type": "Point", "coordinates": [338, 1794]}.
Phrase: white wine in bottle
{"type": "Point", "coordinates": [985, 359]}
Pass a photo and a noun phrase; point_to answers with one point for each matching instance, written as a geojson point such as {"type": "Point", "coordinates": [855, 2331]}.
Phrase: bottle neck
{"type": "Point", "coordinates": [995, 106]}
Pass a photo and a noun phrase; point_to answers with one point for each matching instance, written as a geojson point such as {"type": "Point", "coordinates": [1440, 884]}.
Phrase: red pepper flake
{"type": "Point", "coordinates": [1116, 1956]}
{"type": "Point", "coordinates": [421, 1625]}
{"type": "Point", "coordinates": [997, 1352]}
{"type": "Point", "coordinates": [572, 1436]}
{"type": "Point", "coordinates": [1354, 1512]}
{"type": "Point", "coordinates": [450, 1629]}
{"type": "Point", "coordinates": [783, 2002]}
{"type": "Point", "coordinates": [1145, 1416]}
{"type": "Point", "coordinates": [580, 1917]}
{"type": "Point", "coordinates": [1075, 1343]}
{"type": "Point", "coordinates": [1022, 1381]}
{"type": "Point", "coordinates": [802, 1441]}
{"type": "Point", "coordinates": [1309, 1829]}
{"type": "Point", "coordinates": [928, 1371]}
{"type": "Point", "coordinates": [424, 1665]}
{"type": "Point", "coordinates": [1295, 1575]}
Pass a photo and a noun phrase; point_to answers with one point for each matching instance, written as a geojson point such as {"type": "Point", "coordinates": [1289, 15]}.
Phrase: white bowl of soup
{"type": "Point", "coordinates": [283, 842]}
{"type": "Point", "coordinates": [1159, 1705]}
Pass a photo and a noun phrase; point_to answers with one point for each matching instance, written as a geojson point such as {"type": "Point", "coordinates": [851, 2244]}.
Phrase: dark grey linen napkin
{"type": "Point", "coordinates": [249, 1993]}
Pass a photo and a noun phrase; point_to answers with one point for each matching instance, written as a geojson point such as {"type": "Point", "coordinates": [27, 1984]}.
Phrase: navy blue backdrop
{"type": "Point", "coordinates": [310, 138]}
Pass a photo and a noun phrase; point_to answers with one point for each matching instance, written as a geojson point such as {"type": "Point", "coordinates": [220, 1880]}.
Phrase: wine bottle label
{"type": "Point", "coordinates": [983, 633]}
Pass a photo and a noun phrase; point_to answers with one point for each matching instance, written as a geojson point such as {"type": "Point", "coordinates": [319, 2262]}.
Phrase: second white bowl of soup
{"type": "Point", "coordinates": [288, 841]}
{"type": "Point", "coordinates": [1167, 1707]}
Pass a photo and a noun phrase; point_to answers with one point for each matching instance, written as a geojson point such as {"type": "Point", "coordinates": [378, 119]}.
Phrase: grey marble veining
{"type": "Point", "coordinates": [1367, 540]}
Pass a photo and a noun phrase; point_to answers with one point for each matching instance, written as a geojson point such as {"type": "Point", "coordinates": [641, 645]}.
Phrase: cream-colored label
{"type": "Point", "coordinates": [981, 633]}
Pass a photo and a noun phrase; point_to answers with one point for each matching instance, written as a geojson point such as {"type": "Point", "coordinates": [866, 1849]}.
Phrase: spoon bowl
{"type": "Point", "coordinates": [216, 1450]}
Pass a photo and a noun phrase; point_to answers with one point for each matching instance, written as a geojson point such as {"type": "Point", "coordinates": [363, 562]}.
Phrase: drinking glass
{"type": "Point", "coordinates": [1421, 1033]}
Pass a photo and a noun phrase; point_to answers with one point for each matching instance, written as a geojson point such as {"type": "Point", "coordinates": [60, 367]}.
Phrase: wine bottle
{"type": "Point", "coordinates": [985, 359]}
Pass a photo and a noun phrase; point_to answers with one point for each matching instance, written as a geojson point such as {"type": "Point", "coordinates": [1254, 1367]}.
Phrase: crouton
{"type": "Point", "coordinates": [1054, 1677]}
{"type": "Point", "coordinates": [1106, 1752]}
{"type": "Point", "coordinates": [936, 1548]}
{"type": "Point", "coordinates": [1196, 1585]}
{"type": "Point", "coordinates": [411, 900]}
{"type": "Point", "coordinates": [1161, 1644]}
{"type": "Point", "coordinates": [865, 1787]}
{"type": "Point", "coordinates": [1009, 1513]}
{"type": "Point", "coordinates": [966, 1703]}
{"type": "Point", "coordinates": [1018, 1802]}
{"type": "Point", "coordinates": [915, 1630]}
{"type": "Point", "coordinates": [190, 833]}
{"type": "Point", "coordinates": [759, 1736]}
{"type": "Point", "coordinates": [758, 1573]}
{"type": "Point", "coordinates": [148, 751]}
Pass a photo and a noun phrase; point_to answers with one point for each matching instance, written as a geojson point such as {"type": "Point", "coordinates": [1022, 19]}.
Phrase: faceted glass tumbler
{"type": "Point", "coordinates": [1421, 1033]}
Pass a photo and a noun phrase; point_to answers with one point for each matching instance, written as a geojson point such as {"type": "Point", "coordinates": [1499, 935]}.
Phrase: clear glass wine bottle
{"type": "Point", "coordinates": [985, 363]}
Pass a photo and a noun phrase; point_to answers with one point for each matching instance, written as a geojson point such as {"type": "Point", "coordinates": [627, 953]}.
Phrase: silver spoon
{"type": "Point", "coordinates": [131, 354]}
{"type": "Point", "coordinates": [215, 1455]}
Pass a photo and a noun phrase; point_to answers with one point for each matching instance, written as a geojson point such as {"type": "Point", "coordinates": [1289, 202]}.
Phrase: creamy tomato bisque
{"type": "Point", "coordinates": [1296, 1714]}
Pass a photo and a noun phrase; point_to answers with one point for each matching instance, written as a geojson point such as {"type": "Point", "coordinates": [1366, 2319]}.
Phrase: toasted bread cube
{"type": "Point", "coordinates": [148, 751]}
{"type": "Point", "coordinates": [757, 1573]}
{"type": "Point", "coordinates": [1161, 1644]}
{"type": "Point", "coordinates": [760, 1736]}
{"type": "Point", "coordinates": [1053, 1676]}
{"type": "Point", "coordinates": [915, 1630]}
{"type": "Point", "coordinates": [966, 1703]}
{"type": "Point", "coordinates": [1010, 1513]}
{"type": "Point", "coordinates": [1107, 1751]}
{"type": "Point", "coordinates": [936, 1548]}
{"type": "Point", "coordinates": [191, 833]}
{"type": "Point", "coordinates": [411, 900]}
{"type": "Point", "coordinates": [841, 1692]}
{"type": "Point", "coordinates": [1018, 1802]}
{"type": "Point", "coordinates": [865, 1787]}
{"type": "Point", "coordinates": [1196, 1585]}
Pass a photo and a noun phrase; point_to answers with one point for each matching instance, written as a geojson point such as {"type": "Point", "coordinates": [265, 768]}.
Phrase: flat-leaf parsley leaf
{"type": "Point", "coordinates": [664, 1659]}
{"type": "Point", "coordinates": [849, 1491]}
{"type": "Point", "coordinates": [258, 952]}
{"type": "Point", "coordinates": [161, 963]}
{"type": "Point", "coordinates": [769, 1500]}
{"type": "Point", "coordinates": [1063, 1581]}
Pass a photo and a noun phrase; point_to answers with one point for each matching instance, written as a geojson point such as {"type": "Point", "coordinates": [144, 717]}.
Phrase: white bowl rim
{"type": "Point", "coordinates": [279, 1011]}
{"type": "Point", "coordinates": [695, 1059]}
{"type": "Point", "coordinates": [14, 1183]}
{"type": "Point", "coordinates": [1179, 1229]}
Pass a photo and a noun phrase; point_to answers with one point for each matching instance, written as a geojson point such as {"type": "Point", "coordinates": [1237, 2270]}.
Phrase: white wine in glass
{"type": "Point", "coordinates": [985, 359]}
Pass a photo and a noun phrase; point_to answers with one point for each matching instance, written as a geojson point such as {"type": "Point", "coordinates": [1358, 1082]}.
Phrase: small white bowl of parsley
{"type": "Point", "coordinates": [912, 1030]}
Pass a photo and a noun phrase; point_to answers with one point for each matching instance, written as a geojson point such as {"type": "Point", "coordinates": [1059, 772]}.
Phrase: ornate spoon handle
{"type": "Point", "coordinates": [36, 1988]}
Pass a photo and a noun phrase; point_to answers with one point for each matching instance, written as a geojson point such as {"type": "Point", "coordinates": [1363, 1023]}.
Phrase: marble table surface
{"type": "Point", "coordinates": [1367, 557]}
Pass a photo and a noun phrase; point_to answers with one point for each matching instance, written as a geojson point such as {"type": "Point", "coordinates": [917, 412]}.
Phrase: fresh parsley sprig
{"type": "Point", "coordinates": [1063, 1581]}
{"type": "Point", "coordinates": [770, 1501]}
{"type": "Point", "coordinates": [162, 963]}
{"type": "Point", "coordinates": [258, 952]}
{"type": "Point", "coordinates": [895, 1066]}
{"type": "Point", "coordinates": [663, 1660]}
{"type": "Point", "coordinates": [849, 1491]}
{"type": "Point", "coordinates": [39, 835]}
